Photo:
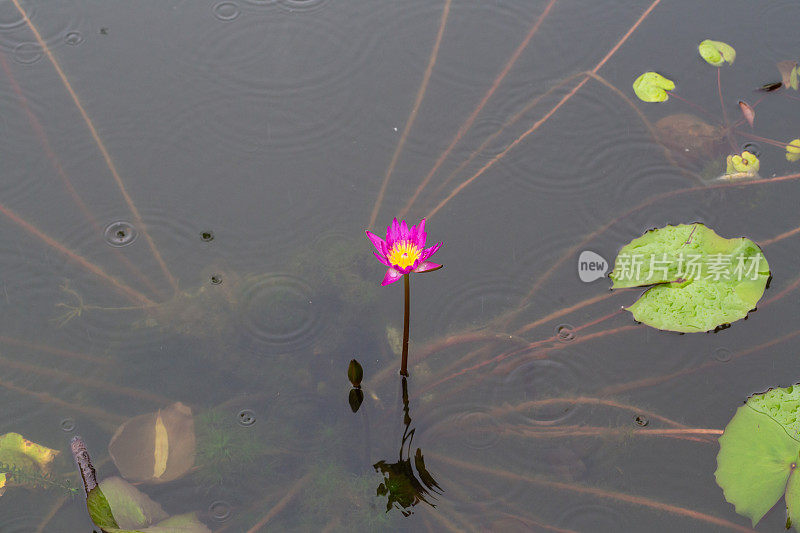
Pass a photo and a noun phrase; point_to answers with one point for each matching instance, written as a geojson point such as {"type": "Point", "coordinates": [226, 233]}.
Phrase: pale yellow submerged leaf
{"type": "Point", "coordinates": [155, 447]}
{"type": "Point", "coordinates": [161, 451]}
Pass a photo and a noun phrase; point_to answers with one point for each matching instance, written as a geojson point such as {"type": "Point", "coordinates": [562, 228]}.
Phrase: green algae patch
{"type": "Point", "coordinates": [699, 280]}
{"type": "Point", "coordinates": [758, 455]}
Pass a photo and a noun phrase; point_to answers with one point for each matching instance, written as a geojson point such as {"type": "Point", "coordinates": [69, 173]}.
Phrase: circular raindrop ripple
{"type": "Point", "coordinates": [246, 417]}
{"type": "Point", "coordinates": [220, 510]}
{"type": "Point", "coordinates": [301, 5]}
{"type": "Point", "coordinates": [723, 355]}
{"type": "Point", "coordinates": [10, 17]}
{"type": "Point", "coordinates": [67, 425]}
{"type": "Point", "coordinates": [120, 233]}
{"type": "Point", "coordinates": [278, 314]}
{"type": "Point", "coordinates": [54, 25]}
{"type": "Point", "coordinates": [283, 56]}
{"type": "Point", "coordinates": [226, 11]}
{"type": "Point", "coordinates": [73, 38]}
{"type": "Point", "coordinates": [540, 379]}
{"type": "Point", "coordinates": [27, 53]}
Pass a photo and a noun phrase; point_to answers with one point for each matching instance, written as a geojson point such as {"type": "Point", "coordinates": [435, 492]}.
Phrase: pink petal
{"type": "Point", "coordinates": [404, 232]}
{"type": "Point", "coordinates": [427, 266]}
{"type": "Point", "coordinates": [418, 238]}
{"type": "Point", "coordinates": [427, 252]}
{"type": "Point", "coordinates": [377, 242]}
{"type": "Point", "coordinates": [392, 233]}
{"type": "Point", "coordinates": [382, 259]}
{"type": "Point", "coordinates": [391, 276]}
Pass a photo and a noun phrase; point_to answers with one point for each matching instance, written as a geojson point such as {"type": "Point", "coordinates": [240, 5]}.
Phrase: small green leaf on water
{"type": "Point", "coordinates": [746, 162]}
{"type": "Point", "coordinates": [758, 454]}
{"type": "Point", "coordinates": [716, 52]}
{"type": "Point", "coordinates": [793, 150]}
{"type": "Point", "coordinates": [699, 280]}
{"type": "Point", "coordinates": [355, 373]}
{"type": "Point", "coordinates": [653, 87]}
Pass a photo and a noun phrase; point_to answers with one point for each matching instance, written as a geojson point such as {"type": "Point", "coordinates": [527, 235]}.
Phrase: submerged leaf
{"type": "Point", "coordinates": [699, 280]}
{"type": "Point", "coordinates": [793, 150]}
{"type": "Point", "coordinates": [759, 453]}
{"type": "Point", "coordinates": [116, 506]}
{"type": "Point", "coordinates": [716, 52]}
{"type": "Point", "coordinates": [788, 70]}
{"type": "Point", "coordinates": [155, 447]}
{"type": "Point", "coordinates": [748, 112]}
{"type": "Point", "coordinates": [653, 87]}
{"type": "Point", "coordinates": [131, 507]}
{"type": "Point", "coordinates": [100, 510]}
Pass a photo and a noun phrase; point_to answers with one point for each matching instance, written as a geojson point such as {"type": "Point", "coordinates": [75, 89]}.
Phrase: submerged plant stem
{"type": "Point", "coordinates": [96, 136]}
{"type": "Point", "coordinates": [282, 503]}
{"type": "Point", "coordinates": [417, 102]}
{"type": "Point", "coordinates": [406, 324]}
{"type": "Point", "coordinates": [546, 117]}
{"type": "Point", "coordinates": [94, 412]}
{"type": "Point", "coordinates": [585, 400]}
{"type": "Point", "coordinates": [119, 390]}
{"type": "Point", "coordinates": [467, 124]}
{"type": "Point", "coordinates": [54, 351]}
{"type": "Point", "coordinates": [592, 491]}
{"type": "Point", "coordinates": [134, 295]}
{"type": "Point", "coordinates": [59, 169]}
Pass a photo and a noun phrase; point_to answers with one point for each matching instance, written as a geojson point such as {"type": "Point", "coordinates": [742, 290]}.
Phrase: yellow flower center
{"type": "Point", "coordinates": [403, 254]}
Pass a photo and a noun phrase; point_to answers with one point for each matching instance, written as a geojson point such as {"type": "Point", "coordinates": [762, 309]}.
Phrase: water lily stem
{"type": "Point", "coordinates": [404, 363]}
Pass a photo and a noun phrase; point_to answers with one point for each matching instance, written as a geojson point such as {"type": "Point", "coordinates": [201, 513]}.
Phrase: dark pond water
{"type": "Point", "coordinates": [184, 195]}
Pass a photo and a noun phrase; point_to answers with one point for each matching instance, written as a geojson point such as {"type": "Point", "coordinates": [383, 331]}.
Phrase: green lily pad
{"type": "Point", "coordinates": [716, 52]}
{"type": "Point", "coordinates": [758, 454]}
{"type": "Point", "coordinates": [793, 150]}
{"type": "Point", "coordinates": [20, 455]}
{"type": "Point", "coordinates": [699, 280]}
{"type": "Point", "coordinates": [746, 162]}
{"type": "Point", "coordinates": [653, 87]}
{"type": "Point", "coordinates": [116, 506]}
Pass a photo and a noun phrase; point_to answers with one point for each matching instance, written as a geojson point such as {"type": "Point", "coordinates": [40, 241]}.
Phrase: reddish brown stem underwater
{"type": "Point", "coordinates": [467, 124]}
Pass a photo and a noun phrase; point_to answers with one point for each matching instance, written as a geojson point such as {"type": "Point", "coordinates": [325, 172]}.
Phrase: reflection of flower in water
{"type": "Point", "coordinates": [400, 484]}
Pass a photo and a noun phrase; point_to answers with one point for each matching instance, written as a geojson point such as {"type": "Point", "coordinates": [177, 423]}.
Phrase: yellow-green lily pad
{"type": "Point", "coordinates": [793, 150]}
{"type": "Point", "coordinates": [758, 455]}
{"type": "Point", "coordinates": [716, 53]}
{"type": "Point", "coordinates": [653, 87]}
{"type": "Point", "coordinates": [17, 452]}
{"type": "Point", "coordinates": [745, 163]}
{"type": "Point", "coordinates": [699, 280]}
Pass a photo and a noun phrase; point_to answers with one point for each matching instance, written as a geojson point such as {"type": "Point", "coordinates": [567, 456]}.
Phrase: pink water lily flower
{"type": "Point", "coordinates": [404, 250]}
